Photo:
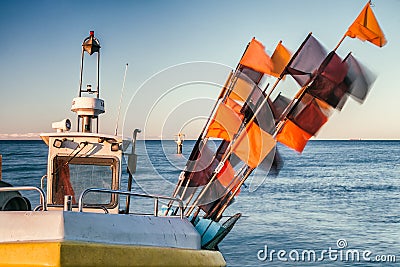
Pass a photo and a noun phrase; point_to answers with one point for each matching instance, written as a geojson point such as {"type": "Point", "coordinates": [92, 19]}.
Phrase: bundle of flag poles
{"type": "Point", "coordinates": [249, 123]}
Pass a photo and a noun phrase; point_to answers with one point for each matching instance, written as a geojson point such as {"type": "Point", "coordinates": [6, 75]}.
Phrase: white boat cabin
{"type": "Point", "coordinates": [78, 161]}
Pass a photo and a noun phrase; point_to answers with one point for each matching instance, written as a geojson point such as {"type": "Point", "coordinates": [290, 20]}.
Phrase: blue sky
{"type": "Point", "coordinates": [40, 45]}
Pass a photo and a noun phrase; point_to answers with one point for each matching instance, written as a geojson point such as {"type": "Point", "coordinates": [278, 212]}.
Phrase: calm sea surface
{"type": "Point", "coordinates": [338, 199]}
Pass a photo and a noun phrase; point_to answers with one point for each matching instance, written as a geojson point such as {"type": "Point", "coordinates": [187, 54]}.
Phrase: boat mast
{"type": "Point", "coordinates": [88, 107]}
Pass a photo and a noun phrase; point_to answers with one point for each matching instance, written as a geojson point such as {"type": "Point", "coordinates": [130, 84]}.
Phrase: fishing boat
{"type": "Point", "coordinates": [79, 221]}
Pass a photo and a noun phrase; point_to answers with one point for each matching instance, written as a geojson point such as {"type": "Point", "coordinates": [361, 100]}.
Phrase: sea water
{"type": "Point", "coordinates": [336, 204]}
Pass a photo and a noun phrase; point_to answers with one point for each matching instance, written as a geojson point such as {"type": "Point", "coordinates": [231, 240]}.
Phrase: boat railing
{"type": "Point", "coordinates": [43, 201]}
{"type": "Point", "coordinates": [127, 193]}
{"type": "Point", "coordinates": [42, 181]}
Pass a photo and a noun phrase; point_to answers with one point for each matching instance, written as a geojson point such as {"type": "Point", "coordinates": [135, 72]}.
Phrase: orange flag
{"type": "Point", "coordinates": [253, 144]}
{"type": "Point", "coordinates": [293, 136]}
{"type": "Point", "coordinates": [225, 123]}
{"type": "Point", "coordinates": [226, 176]}
{"type": "Point", "coordinates": [366, 28]}
{"type": "Point", "coordinates": [256, 58]}
{"type": "Point", "coordinates": [280, 58]}
{"type": "Point", "coordinates": [234, 106]}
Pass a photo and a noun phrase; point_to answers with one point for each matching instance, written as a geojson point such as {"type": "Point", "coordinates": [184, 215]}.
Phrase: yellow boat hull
{"type": "Point", "coordinates": [67, 253]}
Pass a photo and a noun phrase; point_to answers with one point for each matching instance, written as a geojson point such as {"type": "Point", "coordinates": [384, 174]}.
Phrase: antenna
{"type": "Point", "coordinates": [120, 99]}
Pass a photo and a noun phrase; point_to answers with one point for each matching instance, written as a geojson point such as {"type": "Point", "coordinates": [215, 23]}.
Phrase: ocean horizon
{"type": "Point", "coordinates": [312, 139]}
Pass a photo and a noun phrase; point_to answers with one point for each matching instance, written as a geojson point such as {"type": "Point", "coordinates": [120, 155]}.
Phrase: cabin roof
{"type": "Point", "coordinates": [46, 136]}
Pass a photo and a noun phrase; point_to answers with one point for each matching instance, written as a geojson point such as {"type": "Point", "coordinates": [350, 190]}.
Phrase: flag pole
{"type": "Point", "coordinates": [220, 150]}
{"type": "Point", "coordinates": [239, 185]}
{"type": "Point", "coordinates": [201, 138]}
{"type": "Point", "coordinates": [278, 127]}
{"type": "Point", "coordinates": [229, 149]}
{"type": "Point", "coordinates": [340, 42]}
{"type": "Point", "coordinates": [194, 152]}
{"type": "Point", "coordinates": [235, 181]}
{"type": "Point", "coordinates": [225, 94]}
{"type": "Point", "coordinates": [221, 164]}
{"type": "Point", "coordinates": [236, 177]}
{"type": "Point", "coordinates": [233, 82]}
{"type": "Point", "coordinates": [284, 72]}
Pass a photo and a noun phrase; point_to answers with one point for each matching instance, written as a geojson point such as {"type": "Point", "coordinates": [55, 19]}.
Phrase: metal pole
{"type": "Point", "coordinates": [98, 74]}
{"type": "Point", "coordinates": [156, 207]}
{"type": "Point", "coordinates": [130, 172]}
{"type": "Point", "coordinates": [67, 203]}
{"type": "Point", "coordinates": [128, 197]}
{"type": "Point", "coordinates": [81, 77]}
{"type": "Point", "coordinates": [120, 99]}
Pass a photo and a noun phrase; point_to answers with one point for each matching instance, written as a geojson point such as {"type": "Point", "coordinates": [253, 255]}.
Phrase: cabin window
{"type": "Point", "coordinates": [73, 177]}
